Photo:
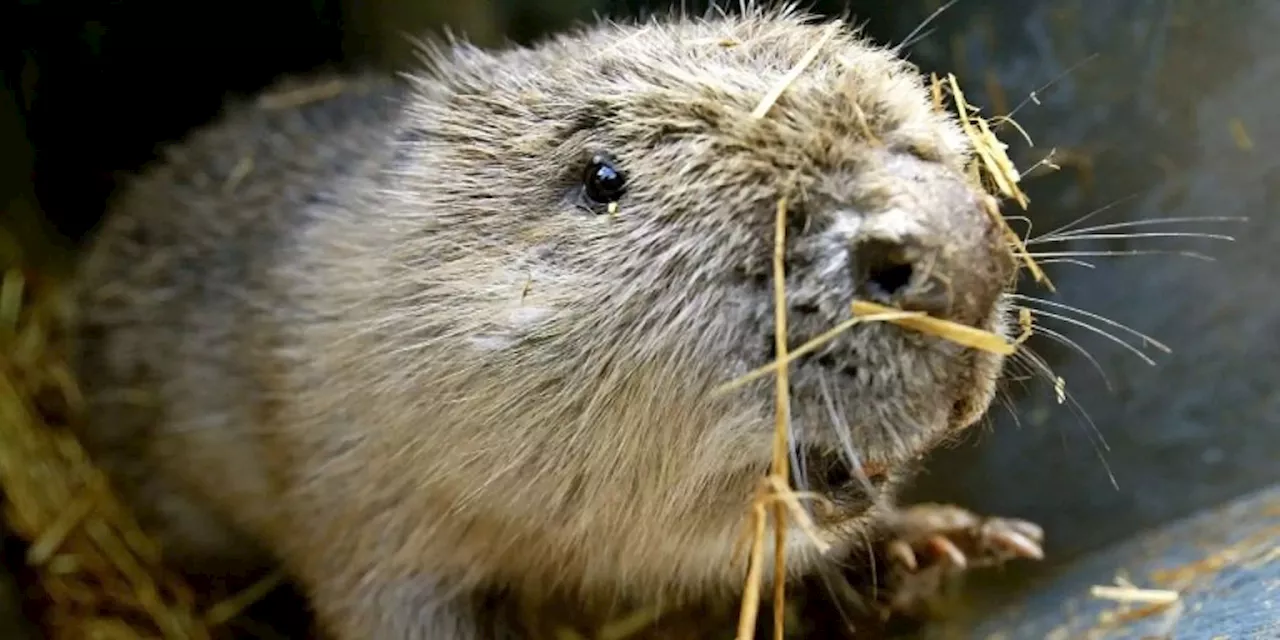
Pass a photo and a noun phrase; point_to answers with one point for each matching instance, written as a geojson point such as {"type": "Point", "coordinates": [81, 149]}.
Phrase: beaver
{"type": "Point", "coordinates": [459, 333]}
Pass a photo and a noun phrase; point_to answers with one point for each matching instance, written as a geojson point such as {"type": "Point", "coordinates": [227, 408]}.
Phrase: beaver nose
{"type": "Point", "coordinates": [899, 273]}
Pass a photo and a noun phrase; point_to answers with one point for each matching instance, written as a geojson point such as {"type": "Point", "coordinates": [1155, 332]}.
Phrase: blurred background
{"type": "Point", "coordinates": [1154, 109]}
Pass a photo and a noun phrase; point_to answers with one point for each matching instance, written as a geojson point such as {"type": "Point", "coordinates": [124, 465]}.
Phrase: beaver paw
{"type": "Point", "coordinates": [931, 543]}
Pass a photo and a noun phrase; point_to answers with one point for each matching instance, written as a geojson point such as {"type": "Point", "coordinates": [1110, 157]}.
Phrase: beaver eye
{"type": "Point", "coordinates": [603, 180]}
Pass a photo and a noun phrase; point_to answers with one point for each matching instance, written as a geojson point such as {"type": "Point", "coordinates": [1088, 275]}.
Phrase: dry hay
{"type": "Point", "coordinates": [97, 574]}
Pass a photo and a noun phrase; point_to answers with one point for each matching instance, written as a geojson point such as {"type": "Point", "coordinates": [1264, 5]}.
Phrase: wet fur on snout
{"type": "Point", "coordinates": [402, 357]}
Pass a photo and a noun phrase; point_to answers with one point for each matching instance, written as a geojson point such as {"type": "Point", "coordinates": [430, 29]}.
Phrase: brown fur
{"type": "Point", "coordinates": [375, 334]}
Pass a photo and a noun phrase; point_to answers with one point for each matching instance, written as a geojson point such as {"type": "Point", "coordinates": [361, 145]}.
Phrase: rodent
{"type": "Point", "coordinates": [425, 341]}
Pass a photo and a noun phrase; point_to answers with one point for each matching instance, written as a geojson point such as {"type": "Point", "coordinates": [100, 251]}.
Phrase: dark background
{"type": "Point", "coordinates": [1141, 104]}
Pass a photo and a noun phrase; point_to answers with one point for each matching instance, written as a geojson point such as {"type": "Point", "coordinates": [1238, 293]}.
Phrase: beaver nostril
{"type": "Point", "coordinates": [881, 270]}
{"type": "Point", "coordinates": [889, 280]}
{"type": "Point", "coordinates": [888, 273]}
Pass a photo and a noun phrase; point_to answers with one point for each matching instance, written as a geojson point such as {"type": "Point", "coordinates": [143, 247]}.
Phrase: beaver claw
{"type": "Point", "coordinates": [930, 542]}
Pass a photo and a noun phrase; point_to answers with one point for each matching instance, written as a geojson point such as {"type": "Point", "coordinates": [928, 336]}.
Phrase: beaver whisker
{"type": "Point", "coordinates": [1036, 366]}
{"type": "Point", "coordinates": [1069, 232]}
{"type": "Point", "coordinates": [1006, 401]}
{"type": "Point", "coordinates": [1033, 96]}
{"type": "Point", "coordinates": [1020, 372]}
{"type": "Point", "coordinates": [1132, 252]}
{"type": "Point", "coordinates": [1070, 261]}
{"type": "Point", "coordinates": [1028, 357]}
{"type": "Point", "coordinates": [1110, 336]}
{"type": "Point", "coordinates": [799, 463]}
{"type": "Point", "coordinates": [1093, 316]}
{"type": "Point", "coordinates": [1089, 215]}
{"type": "Point", "coordinates": [1068, 342]}
{"type": "Point", "coordinates": [841, 429]}
{"type": "Point", "coordinates": [1150, 222]}
{"type": "Point", "coordinates": [1140, 223]}
{"type": "Point", "coordinates": [912, 38]}
{"type": "Point", "coordinates": [1100, 446]}
{"type": "Point", "coordinates": [1132, 236]}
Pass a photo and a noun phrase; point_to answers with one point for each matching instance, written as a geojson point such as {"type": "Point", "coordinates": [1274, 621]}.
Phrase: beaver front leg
{"type": "Point", "coordinates": [927, 544]}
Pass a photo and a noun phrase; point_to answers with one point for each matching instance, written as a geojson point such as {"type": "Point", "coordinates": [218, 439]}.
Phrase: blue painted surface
{"type": "Point", "coordinates": [1152, 107]}
{"type": "Point", "coordinates": [1225, 563]}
